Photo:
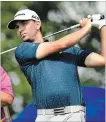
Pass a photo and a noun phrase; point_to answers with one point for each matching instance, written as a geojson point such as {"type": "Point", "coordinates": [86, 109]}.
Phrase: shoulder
{"type": "Point", "coordinates": [24, 45]}
{"type": "Point", "coordinates": [73, 49]}
{"type": "Point", "coordinates": [26, 50]}
{"type": "Point", "coordinates": [79, 50]}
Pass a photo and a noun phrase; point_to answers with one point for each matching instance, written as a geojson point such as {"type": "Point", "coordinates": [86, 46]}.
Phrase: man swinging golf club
{"type": "Point", "coordinates": [51, 67]}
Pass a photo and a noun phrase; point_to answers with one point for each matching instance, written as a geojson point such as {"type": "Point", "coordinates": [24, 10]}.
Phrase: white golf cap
{"type": "Point", "coordinates": [25, 14]}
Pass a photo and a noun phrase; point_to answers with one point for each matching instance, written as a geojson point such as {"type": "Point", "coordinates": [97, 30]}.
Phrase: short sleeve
{"type": "Point", "coordinates": [6, 85]}
{"type": "Point", "coordinates": [81, 55]}
{"type": "Point", "coordinates": [26, 50]}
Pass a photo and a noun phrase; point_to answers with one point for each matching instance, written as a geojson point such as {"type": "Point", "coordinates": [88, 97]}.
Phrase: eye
{"type": "Point", "coordinates": [24, 21]}
{"type": "Point", "coordinates": [16, 26]}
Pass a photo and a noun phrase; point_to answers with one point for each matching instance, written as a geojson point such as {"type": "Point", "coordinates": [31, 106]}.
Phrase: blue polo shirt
{"type": "Point", "coordinates": [54, 79]}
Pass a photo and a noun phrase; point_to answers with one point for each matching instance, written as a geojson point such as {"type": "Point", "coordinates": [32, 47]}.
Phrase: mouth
{"type": "Point", "coordinates": [23, 35]}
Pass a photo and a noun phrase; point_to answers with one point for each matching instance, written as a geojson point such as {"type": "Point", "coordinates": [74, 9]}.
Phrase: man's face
{"type": "Point", "coordinates": [27, 29]}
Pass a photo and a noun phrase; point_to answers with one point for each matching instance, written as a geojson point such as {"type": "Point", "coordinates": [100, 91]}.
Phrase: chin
{"type": "Point", "coordinates": [25, 39]}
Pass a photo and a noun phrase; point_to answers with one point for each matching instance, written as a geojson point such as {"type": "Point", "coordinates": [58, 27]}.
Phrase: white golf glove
{"type": "Point", "coordinates": [98, 20]}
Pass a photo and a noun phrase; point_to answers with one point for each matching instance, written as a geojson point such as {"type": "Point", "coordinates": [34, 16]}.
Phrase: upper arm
{"type": "Point", "coordinates": [29, 50]}
{"type": "Point", "coordinates": [6, 88]}
{"type": "Point", "coordinates": [47, 48]}
{"type": "Point", "coordinates": [6, 85]}
{"type": "Point", "coordinates": [94, 60]}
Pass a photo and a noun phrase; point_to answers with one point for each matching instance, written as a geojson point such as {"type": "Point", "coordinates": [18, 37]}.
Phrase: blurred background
{"type": "Point", "coordinates": [55, 16]}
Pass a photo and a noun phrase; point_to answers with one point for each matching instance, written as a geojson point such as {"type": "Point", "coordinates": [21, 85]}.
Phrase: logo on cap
{"type": "Point", "coordinates": [19, 15]}
{"type": "Point", "coordinates": [33, 16]}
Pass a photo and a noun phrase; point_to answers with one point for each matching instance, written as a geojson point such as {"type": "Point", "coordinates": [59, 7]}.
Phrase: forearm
{"type": "Point", "coordinates": [6, 99]}
{"type": "Point", "coordinates": [74, 38]}
{"type": "Point", "coordinates": [103, 40]}
{"type": "Point", "coordinates": [94, 59]}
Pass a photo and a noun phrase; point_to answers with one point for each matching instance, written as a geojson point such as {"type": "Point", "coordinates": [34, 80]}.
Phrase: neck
{"type": "Point", "coordinates": [38, 37]}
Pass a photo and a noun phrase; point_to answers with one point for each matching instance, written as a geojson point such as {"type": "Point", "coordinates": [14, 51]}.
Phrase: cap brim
{"type": "Point", "coordinates": [12, 24]}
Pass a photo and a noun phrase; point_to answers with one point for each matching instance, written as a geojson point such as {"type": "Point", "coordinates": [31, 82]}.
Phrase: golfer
{"type": "Point", "coordinates": [51, 67]}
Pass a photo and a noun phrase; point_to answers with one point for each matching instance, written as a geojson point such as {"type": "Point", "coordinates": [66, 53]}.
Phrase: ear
{"type": "Point", "coordinates": [38, 24]}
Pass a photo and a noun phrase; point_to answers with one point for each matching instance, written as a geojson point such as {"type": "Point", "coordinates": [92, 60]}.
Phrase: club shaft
{"type": "Point", "coordinates": [70, 28]}
{"type": "Point", "coordinates": [8, 50]}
